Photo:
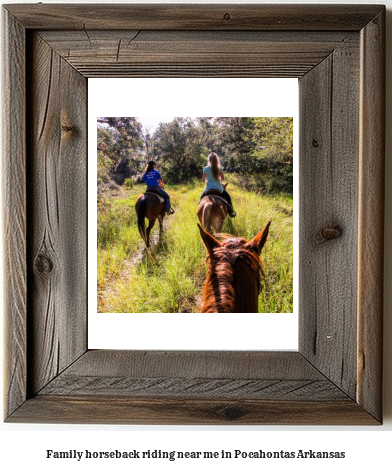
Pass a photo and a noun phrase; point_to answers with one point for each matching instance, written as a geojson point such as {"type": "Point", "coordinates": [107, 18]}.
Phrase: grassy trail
{"type": "Point", "coordinates": [169, 279]}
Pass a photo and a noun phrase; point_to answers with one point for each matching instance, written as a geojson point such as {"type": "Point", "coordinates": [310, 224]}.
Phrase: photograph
{"type": "Point", "coordinates": [195, 214]}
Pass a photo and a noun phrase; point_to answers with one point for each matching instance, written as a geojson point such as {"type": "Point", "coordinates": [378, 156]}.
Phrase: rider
{"type": "Point", "coordinates": [213, 176]}
{"type": "Point", "coordinates": [153, 179]}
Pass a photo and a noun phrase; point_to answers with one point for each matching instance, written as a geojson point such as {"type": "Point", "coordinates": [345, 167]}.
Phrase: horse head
{"type": "Point", "coordinates": [233, 280]}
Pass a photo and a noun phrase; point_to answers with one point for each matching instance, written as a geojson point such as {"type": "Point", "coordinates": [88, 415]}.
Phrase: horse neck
{"type": "Point", "coordinates": [230, 288]}
{"type": "Point", "coordinates": [218, 293]}
{"type": "Point", "coordinates": [245, 288]}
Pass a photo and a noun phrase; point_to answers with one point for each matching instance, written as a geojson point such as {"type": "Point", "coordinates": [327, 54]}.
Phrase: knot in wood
{"type": "Point", "coordinates": [328, 233]}
{"type": "Point", "coordinates": [43, 264]}
{"type": "Point", "coordinates": [227, 16]}
{"type": "Point", "coordinates": [232, 413]}
{"type": "Point", "coordinates": [68, 128]}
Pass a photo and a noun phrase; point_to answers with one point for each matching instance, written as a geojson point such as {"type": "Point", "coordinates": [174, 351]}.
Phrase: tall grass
{"type": "Point", "coordinates": [117, 236]}
{"type": "Point", "coordinates": [170, 278]}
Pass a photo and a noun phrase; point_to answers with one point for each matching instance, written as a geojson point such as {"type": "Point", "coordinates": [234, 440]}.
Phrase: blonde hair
{"type": "Point", "coordinates": [214, 162]}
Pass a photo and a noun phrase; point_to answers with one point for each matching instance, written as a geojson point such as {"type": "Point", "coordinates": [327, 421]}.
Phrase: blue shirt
{"type": "Point", "coordinates": [151, 178]}
{"type": "Point", "coordinates": [212, 183]}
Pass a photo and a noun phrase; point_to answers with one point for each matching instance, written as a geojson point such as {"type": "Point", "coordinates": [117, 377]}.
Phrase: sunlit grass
{"type": "Point", "coordinates": [170, 278]}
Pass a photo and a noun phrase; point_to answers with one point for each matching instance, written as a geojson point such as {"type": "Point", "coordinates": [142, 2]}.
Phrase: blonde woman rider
{"type": "Point", "coordinates": [213, 176]}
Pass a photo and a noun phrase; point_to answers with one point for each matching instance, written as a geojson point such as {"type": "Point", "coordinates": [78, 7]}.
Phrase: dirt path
{"type": "Point", "coordinates": [142, 252]}
{"type": "Point", "coordinates": [140, 256]}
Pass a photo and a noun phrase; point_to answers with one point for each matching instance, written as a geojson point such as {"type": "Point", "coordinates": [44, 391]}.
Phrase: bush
{"type": "Point", "coordinates": [128, 183]}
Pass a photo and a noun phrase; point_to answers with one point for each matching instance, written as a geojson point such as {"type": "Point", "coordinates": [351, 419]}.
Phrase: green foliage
{"type": "Point", "coordinates": [236, 136]}
{"type": "Point", "coordinates": [276, 134]}
{"type": "Point", "coordinates": [108, 148]}
{"type": "Point", "coordinates": [128, 129]}
{"type": "Point", "coordinates": [128, 183]}
{"type": "Point", "coordinates": [119, 138]}
{"type": "Point", "coordinates": [275, 157]}
{"type": "Point", "coordinates": [260, 148]}
{"type": "Point", "coordinates": [104, 166]}
{"type": "Point", "coordinates": [180, 148]}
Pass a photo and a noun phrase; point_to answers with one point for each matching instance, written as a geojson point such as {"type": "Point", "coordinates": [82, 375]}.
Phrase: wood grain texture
{"type": "Point", "coordinates": [208, 364]}
{"type": "Point", "coordinates": [14, 211]}
{"type": "Point", "coordinates": [371, 216]}
{"type": "Point", "coordinates": [201, 387]}
{"type": "Point", "coordinates": [329, 98]}
{"type": "Point", "coordinates": [190, 374]}
{"type": "Point", "coordinates": [57, 215]}
{"type": "Point", "coordinates": [195, 17]}
{"type": "Point", "coordinates": [103, 409]}
{"type": "Point", "coordinates": [217, 54]}
{"type": "Point", "coordinates": [184, 71]}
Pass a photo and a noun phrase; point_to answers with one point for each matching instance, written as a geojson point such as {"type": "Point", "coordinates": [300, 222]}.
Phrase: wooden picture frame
{"type": "Point", "coordinates": [338, 54]}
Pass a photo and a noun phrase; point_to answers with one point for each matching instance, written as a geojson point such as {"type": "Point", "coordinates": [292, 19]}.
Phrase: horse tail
{"type": "Point", "coordinates": [141, 216]}
{"type": "Point", "coordinates": [206, 216]}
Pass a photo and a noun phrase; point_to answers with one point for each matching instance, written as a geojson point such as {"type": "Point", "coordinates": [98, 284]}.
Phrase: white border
{"type": "Point", "coordinates": [207, 97]}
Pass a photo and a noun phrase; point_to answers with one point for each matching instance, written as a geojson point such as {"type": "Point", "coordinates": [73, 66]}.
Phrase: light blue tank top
{"type": "Point", "coordinates": [212, 183]}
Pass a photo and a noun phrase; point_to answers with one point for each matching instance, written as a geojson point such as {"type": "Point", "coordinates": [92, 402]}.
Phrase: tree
{"type": "Point", "coordinates": [275, 138]}
{"type": "Point", "coordinates": [180, 148]}
{"type": "Point", "coordinates": [108, 147]}
{"type": "Point", "coordinates": [118, 137]}
{"type": "Point", "coordinates": [236, 136]}
{"type": "Point", "coordinates": [149, 144]}
{"type": "Point", "coordinates": [130, 130]}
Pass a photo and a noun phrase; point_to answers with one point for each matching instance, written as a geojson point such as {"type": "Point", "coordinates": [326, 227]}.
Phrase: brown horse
{"type": "Point", "coordinates": [234, 274]}
{"type": "Point", "coordinates": [212, 212]}
{"type": "Point", "coordinates": [149, 205]}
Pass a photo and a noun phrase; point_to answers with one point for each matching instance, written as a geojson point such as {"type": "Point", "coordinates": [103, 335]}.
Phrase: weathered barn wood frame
{"type": "Point", "coordinates": [337, 52]}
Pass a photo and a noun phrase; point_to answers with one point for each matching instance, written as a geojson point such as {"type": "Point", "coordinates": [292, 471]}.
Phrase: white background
{"type": "Point", "coordinates": [23, 447]}
{"type": "Point", "coordinates": [190, 98]}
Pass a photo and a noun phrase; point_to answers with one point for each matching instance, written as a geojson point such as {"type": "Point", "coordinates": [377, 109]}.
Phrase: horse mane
{"type": "Point", "coordinates": [218, 292]}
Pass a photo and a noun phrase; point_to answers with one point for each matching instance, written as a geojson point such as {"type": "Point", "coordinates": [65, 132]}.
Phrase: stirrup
{"type": "Point", "coordinates": [169, 213]}
{"type": "Point", "coordinates": [232, 213]}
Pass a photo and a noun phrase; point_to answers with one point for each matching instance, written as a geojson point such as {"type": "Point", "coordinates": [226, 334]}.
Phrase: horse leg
{"type": "Point", "coordinates": [217, 224]}
{"type": "Point", "coordinates": [151, 223]}
{"type": "Point", "coordinates": [218, 219]}
{"type": "Point", "coordinates": [160, 220]}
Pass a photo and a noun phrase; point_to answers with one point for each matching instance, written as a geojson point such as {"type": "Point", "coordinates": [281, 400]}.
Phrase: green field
{"type": "Point", "coordinates": [169, 279]}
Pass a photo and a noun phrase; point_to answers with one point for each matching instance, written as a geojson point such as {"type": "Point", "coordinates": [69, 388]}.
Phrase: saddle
{"type": "Point", "coordinates": [216, 194]}
{"type": "Point", "coordinates": [213, 192]}
{"type": "Point", "coordinates": [153, 191]}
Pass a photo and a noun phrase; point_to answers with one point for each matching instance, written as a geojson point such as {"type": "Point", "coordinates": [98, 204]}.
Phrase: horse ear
{"type": "Point", "coordinates": [257, 243]}
{"type": "Point", "coordinates": [210, 242]}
